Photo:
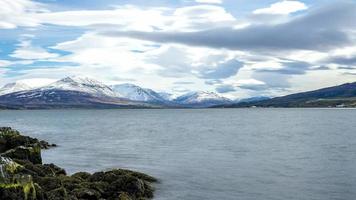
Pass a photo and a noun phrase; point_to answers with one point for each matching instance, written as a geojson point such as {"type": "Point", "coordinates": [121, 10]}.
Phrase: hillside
{"type": "Point", "coordinates": [337, 96]}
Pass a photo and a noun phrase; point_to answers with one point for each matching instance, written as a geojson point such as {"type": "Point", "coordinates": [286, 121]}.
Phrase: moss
{"type": "Point", "coordinates": [8, 132]}
{"type": "Point", "coordinates": [13, 167]}
{"type": "Point", "coordinates": [29, 189]}
{"type": "Point", "coordinates": [9, 185]}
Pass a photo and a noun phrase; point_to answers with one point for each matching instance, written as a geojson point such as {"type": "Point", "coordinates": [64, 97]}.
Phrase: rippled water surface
{"type": "Point", "coordinates": [212, 154]}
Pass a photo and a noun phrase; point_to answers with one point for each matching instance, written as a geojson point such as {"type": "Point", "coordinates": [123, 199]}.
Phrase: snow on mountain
{"type": "Point", "coordinates": [85, 91]}
{"type": "Point", "coordinates": [81, 84]}
{"type": "Point", "coordinates": [201, 99]}
{"type": "Point", "coordinates": [14, 87]}
{"type": "Point", "coordinates": [167, 96]}
{"type": "Point", "coordinates": [136, 93]}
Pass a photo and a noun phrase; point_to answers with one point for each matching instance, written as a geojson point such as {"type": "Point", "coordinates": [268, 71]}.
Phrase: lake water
{"type": "Point", "coordinates": [208, 154]}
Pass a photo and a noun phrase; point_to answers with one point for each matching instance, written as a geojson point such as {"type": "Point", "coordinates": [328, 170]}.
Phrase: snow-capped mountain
{"type": "Point", "coordinates": [201, 99]}
{"type": "Point", "coordinates": [14, 87]}
{"type": "Point", "coordinates": [81, 84]}
{"type": "Point", "coordinates": [85, 92]}
{"type": "Point", "coordinates": [167, 96]}
{"type": "Point", "coordinates": [136, 93]}
{"type": "Point", "coordinates": [69, 92]}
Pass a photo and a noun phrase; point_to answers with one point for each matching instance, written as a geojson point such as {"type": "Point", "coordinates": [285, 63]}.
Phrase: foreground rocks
{"type": "Point", "coordinates": [24, 177]}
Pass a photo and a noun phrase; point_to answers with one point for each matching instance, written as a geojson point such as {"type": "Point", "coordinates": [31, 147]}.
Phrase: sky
{"type": "Point", "coordinates": [237, 48]}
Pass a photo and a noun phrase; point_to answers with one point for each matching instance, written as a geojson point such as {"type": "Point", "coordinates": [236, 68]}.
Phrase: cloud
{"type": "Point", "coordinates": [342, 60]}
{"type": "Point", "coordinates": [321, 68]}
{"type": "Point", "coordinates": [251, 84]}
{"type": "Point", "coordinates": [282, 8]}
{"type": "Point", "coordinates": [225, 88]}
{"type": "Point", "coordinates": [350, 73]}
{"type": "Point", "coordinates": [289, 68]}
{"type": "Point", "coordinates": [271, 80]}
{"type": "Point", "coordinates": [183, 83]}
{"type": "Point", "coordinates": [14, 13]}
{"type": "Point", "coordinates": [125, 17]}
{"type": "Point", "coordinates": [37, 82]}
{"type": "Point", "coordinates": [210, 1]}
{"type": "Point", "coordinates": [223, 70]}
{"type": "Point", "coordinates": [5, 63]}
{"type": "Point", "coordinates": [27, 51]}
{"type": "Point", "coordinates": [308, 32]}
{"type": "Point", "coordinates": [213, 82]}
{"type": "Point", "coordinates": [131, 17]}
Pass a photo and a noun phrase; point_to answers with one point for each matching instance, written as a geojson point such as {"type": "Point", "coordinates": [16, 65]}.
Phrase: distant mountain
{"type": "Point", "coordinates": [14, 87]}
{"type": "Point", "coordinates": [83, 85]}
{"type": "Point", "coordinates": [337, 96]}
{"type": "Point", "coordinates": [253, 99]}
{"type": "Point", "coordinates": [201, 99]}
{"type": "Point", "coordinates": [70, 92]}
{"type": "Point", "coordinates": [167, 96]}
{"type": "Point", "coordinates": [136, 93]}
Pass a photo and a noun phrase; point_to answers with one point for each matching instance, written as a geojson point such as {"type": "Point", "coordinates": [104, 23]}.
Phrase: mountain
{"type": "Point", "coordinates": [337, 96]}
{"type": "Point", "coordinates": [201, 99]}
{"type": "Point", "coordinates": [70, 92]}
{"type": "Point", "coordinates": [14, 87]}
{"type": "Point", "coordinates": [253, 99]}
{"type": "Point", "coordinates": [167, 96]}
{"type": "Point", "coordinates": [82, 84]}
{"type": "Point", "coordinates": [136, 93]}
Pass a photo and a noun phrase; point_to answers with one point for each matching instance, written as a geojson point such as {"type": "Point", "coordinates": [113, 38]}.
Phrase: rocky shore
{"type": "Point", "coordinates": [24, 177]}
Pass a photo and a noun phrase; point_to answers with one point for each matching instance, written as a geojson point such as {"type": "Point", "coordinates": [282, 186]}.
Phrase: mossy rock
{"type": "Point", "coordinates": [10, 138]}
{"type": "Point", "coordinates": [24, 177]}
{"type": "Point", "coordinates": [82, 175]}
{"type": "Point", "coordinates": [32, 154]}
{"type": "Point", "coordinates": [86, 193]}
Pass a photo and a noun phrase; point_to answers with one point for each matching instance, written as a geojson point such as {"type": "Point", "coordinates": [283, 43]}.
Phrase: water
{"type": "Point", "coordinates": [207, 154]}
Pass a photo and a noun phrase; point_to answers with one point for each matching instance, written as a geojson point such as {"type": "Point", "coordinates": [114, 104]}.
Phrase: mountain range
{"type": "Point", "coordinates": [338, 96]}
{"type": "Point", "coordinates": [83, 92]}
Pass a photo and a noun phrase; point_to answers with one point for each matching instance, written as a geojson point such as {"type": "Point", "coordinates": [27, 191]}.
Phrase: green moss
{"type": "Point", "coordinates": [10, 185]}
{"type": "Point", "coordinates": [8, 132]}
{"type": "Point", "coordinates": [35, 149]}
{"type": "Point", "coordinates": [13, 167]}
{"type": "Point", "coordinates": [29, 189]}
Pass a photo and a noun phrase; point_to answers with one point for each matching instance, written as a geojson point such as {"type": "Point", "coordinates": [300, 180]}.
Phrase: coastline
{"type": "Point", "coordinates": [24, 176]}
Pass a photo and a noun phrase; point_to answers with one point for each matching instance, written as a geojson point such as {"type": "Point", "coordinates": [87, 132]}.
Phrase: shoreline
{"type": "Point", "coordinates": [24, 176]}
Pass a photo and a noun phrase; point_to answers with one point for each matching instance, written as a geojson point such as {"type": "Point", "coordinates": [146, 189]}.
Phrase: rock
{"type": "Point", "coordinates": [23, 177]}
{"type": "Point", "coordinates": [46, 145]}
{"type": "Point", "coordinates": [85, 193]}
{"type": "Point", "coordinates": [10, 138]}
{"type": "Point", "coordinates": [82, 175]}
{"type": "Point", "coordinates": [32, 154]}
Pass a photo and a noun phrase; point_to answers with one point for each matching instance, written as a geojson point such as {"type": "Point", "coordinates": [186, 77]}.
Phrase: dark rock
{"type": "Point", "coordinates": [23, 177]}
{"type": "Point", "coordinates": [82, 175]}
{"type": "Point", "coordinates": [32, 154]}
{"type": "Point", "coordinates": [85, 193]}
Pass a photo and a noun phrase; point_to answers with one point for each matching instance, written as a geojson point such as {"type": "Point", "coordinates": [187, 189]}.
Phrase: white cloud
{"type": "Point", "coordinates": [128, 17]}
{"type": "Point", "coordinates": [14, 13]}
{"type": "Point", "coordinates": [200, 17]}
{"type": "Point", "coordinates": [210, 1]}
{"type": "Point", "coordinates": [94, 50]}
{"type": "Point", "coordinates": [27, 51]}
{"type": "Point", "coordinates": [37, 82]}
{"type": "Point", "coordinates": [143, 19]}
{"type": "Point", "coordinates": [5, 63]}
{"type": "Point", "coordinates": [282, 8]}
